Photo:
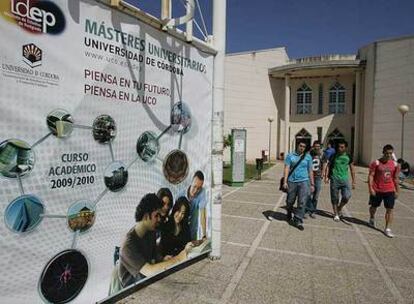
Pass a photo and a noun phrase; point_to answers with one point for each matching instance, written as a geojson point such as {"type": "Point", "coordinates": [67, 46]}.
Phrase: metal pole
{"type": "Point", "coordinates": [219, 43]}
{"type": "Point", "coordinates": [165, 9]}
{"type": "Point", "coordinates": [402, 137]}
{"type": "Point", "coordinates": [270, 136]}
{"type": "Point", "coordinates": [189, 24]}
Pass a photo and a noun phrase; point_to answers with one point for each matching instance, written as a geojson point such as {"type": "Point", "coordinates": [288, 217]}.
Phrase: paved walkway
{"type": "Point", "coordinates": [272, 262]}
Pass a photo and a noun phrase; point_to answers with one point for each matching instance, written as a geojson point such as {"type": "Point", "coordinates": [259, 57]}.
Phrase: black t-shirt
{"type": "Point", "coordinates": [316, 163]}
{"type": "Point", "coordinates": [135, 253]}
{"type": "Point", "coordinates": [173, 244]}
{"type": "Point", "coordinates": [405, 167]}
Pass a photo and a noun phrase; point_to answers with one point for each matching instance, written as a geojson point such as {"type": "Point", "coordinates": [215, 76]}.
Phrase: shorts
{"type": "Point", "coordinates": [387, 197]}
{"type": "Point", "coordinates": [342, 186]}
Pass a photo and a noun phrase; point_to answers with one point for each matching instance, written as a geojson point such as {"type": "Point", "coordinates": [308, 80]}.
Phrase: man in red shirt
{"type": "Point", "coordinates": [383, 186]}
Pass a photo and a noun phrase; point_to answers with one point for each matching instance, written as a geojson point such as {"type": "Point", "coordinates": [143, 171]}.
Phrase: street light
{"type": "Point", "coordinates": [270, 120]}
{"type": "Point", "coordinates": [404, 109]}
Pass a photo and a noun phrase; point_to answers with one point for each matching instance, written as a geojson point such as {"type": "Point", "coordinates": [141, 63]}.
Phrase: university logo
{"type": "Point", "coordinates": [32, 55]}
{"type": "Point", "coordinates": [35, 16]}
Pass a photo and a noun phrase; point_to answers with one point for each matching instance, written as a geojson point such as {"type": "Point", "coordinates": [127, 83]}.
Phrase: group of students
{"type": "Point", "coordinates": [304, 173]}
{"type": "Point", "coordinates": [163, 235]}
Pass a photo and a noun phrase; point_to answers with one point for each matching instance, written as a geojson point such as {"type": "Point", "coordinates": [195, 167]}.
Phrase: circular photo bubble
{"type": "Point", "coordinates": [81, 216]}
{"type": "Point", "coordinates": [104, 129]}
{"type": "Point", "coordinates": [60, 122]}
{"type": "Point", "coordinates": [64, 277]}
{"type": "Point", "coordinates": [175, 166]}
{"type": "Point", "coordinates": [180, 117]}
{"type": "Point", "coordinates": [24, 213]}
{"type": "Point", "coordinates": [148, 146]}
{"type": "Point", "coordinates": [16, 158]}
{"type": "Point", "coordinates": [116, 176]}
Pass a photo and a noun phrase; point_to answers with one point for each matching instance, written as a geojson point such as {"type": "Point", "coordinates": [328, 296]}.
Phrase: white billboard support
{"type": "Point", "coordinates": [189, 24]}
{"type": "Point", "coordinates": [219, 43]}
{"type": "Point", "coordinates": [166, 11]}
{"type": "Point", "coordinates": [183, 19]}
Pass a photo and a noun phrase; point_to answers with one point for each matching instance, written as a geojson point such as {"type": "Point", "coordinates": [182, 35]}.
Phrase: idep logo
{"type": "Point", "coordinates": [35, 16]}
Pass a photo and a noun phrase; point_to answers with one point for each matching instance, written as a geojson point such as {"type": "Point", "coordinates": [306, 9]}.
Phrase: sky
{"type": "Point", "coordinates": [304, 27]}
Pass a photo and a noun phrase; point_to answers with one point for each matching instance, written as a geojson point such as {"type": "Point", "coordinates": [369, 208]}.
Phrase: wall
{"type": "Point", "coordinates": [367, 53]}
{"type": "Point", "coordinates": [394, 85]}
{"type": "Point", "coordinates": [248, 98]}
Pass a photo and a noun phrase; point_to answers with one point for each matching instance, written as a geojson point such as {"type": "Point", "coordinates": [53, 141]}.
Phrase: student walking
{"type": "Point", "coordinates": [383, 186]}
{"type": "Point", "coordinates": [298, 181]}
{"type": "Point", "coordinates": [336, 171]}
{"type": "Point", "coordinates": [316, 154]}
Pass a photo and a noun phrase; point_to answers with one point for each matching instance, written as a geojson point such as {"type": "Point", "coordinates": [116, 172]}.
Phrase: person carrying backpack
{"type": "Point", "coordinates": [336, 171]}
{"type": "Point", "coordinates": [383, 186]}
{"type": "Point", "coordinates": [298, 182]}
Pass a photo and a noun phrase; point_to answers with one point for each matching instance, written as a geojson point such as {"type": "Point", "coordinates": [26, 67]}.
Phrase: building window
{"type": "Point", "coordinates": [304, 100]}
{"type": "Point", "coordinates": [305, 136]}
{"type": "Point", "coordinates": [337, 99]}
{"type": "Point", "coordinates": [320, 104]}
{"type": "Point", "coordinates": [335, 136]}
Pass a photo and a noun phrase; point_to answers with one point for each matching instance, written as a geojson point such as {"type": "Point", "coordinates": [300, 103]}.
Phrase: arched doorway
{"type": "Point", "coordinates": [336, 136]}
{"type": "Point", "coordinates": [305, 136]}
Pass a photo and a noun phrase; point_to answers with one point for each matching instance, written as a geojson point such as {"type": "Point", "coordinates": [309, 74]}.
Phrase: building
{"type": "Point", "coordinates": [354, 97]}
{"type": "Point", "coordinates": [81, 220]}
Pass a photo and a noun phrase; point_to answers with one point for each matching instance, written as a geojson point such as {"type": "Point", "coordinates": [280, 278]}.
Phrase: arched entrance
{"type": "Point", "coordinates": [305, 136]}
{"type": "Point", "coordinates": [336, 136]}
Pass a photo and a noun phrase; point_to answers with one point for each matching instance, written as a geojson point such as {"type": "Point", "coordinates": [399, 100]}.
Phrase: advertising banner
{"type": "Point", "coordinates": [105, 151]}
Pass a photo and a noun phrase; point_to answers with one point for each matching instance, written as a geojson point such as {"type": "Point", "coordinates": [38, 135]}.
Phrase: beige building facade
{"type": "Point", "coordinates": [354, 97]}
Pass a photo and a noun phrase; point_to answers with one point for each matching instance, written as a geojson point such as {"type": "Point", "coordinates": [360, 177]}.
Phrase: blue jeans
{"type": "Point", "coordinates": [300, 191]}
{"type": "Point", "coordinates": [342, 186]}
{"type": "Point", "coordinates": [312, 202]}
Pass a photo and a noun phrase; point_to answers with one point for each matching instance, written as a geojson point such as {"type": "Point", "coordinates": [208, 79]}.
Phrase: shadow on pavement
{"type": "Point", "coordinates": [272, 215]}
{"type": "Point", "coordinates": [279, 216]}
{"type": "Point", "coordinates": [352, 220]}
{"type": "Point", "coordinates": [406, 187]}
{"type": "Point", "coordinates": [324, 213]}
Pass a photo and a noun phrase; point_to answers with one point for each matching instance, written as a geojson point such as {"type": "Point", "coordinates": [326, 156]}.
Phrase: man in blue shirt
{"type": "Point", "coordinates": [299, 184]}
{"type": "Point", "coordinates": [196, 195]}
{"type": "Point", "coordinates": [330, 150]}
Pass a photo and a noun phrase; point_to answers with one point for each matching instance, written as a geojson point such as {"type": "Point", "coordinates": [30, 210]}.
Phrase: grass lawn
{"type": "Point", "coordinates": [250, 172]}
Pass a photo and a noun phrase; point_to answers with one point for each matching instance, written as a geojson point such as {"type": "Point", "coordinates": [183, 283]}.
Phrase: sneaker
{"type": "Point", "coordinates": [371, 222]}
{"type": "Point", "coordinates": [336, 218]}
{"type": "Point", "coordinates": [389, 233]}
{"type": "Point", "coordinates": [312, 215]}
{"type": "Point", "coordinates": [300, 226]}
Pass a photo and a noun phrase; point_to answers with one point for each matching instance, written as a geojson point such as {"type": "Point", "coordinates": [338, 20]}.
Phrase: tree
{"type": "Point", "coordinates": [227, 141]}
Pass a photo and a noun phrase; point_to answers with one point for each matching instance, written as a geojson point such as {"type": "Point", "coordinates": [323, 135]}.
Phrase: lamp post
{"type": "Point", "coordinates": [270, 120]}
{"type": "Point", "coordinates": [404, 109]}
